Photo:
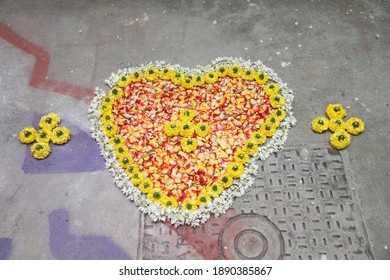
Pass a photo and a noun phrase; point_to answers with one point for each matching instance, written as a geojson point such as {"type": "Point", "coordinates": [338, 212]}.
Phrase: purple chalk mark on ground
{"type": "Point", "coordinates": [80, 154]}
{"type": "Point", "coordinates": [66, 246]}
{"type": "Point", "coordinates": [5, 248]}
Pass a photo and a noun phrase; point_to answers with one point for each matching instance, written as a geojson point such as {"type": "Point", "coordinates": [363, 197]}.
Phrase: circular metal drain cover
{"type": "Point", "coordinates": [250, 237]}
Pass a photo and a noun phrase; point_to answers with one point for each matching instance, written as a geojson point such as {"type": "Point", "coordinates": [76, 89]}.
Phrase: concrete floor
{"type": "Point", "coordinates": [53, 53]}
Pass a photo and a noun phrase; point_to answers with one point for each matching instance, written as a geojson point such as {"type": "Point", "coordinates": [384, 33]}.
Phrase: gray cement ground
{"type": "Point", "coordinates": [327, 52]}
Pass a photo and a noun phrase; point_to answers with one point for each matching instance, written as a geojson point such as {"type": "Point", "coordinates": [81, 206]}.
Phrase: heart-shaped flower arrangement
{"type": "Point", "coordinates": [183, 143]}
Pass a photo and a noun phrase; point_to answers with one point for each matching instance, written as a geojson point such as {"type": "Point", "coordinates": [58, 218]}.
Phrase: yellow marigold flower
{"type": "Point", "coordinates": [214, 190]}
{"type": "Point", "coordinates": [276, 101]}
{"type": "Point", "coordinates": [186, 129]}
{"type": "Point", "coordinates": [132, 169]}
{"type": "Point", "coordinates": [177, 78]}
{"type": "Point", "coordinates": [186, 115]}
{"type": "Point", "coordinates": [124, 161]}
{"type": "Point", "coordinates": [49, 121]}
{"type": "Point", "coordinates": [136, 76]}
{"type": "Point", "coordinates": [110, 130]}
{"type": "Point", "coordinates": [268, 129]}
{"type": "Point", "coordinates": [151, 74]}
{"type": "Point", "coordinates": [40, 150]}
{"type": "Point", "coordinates": [250, 147]}
{"type": "Point", "coordinates": [320, 124]}
{"type": "Point", "coordinates": [123, 81]}
{"type": "Point", "coordinates": [241, 156]}
{"type": "Point", "coordinates": [108, 101]}
{"type": "Point", "coordinates": [225, 181]}
{"type": "Point", "coordinates": [172, 129]}
{"type": "Point", "coordinates": [336, 124]}
{"type": "Point", "coordinates": [155, 194]}
{"type": "Point", "coordinates": [202, 129]}
{"type": "Point", "coordinates": [107, 118]}
{"type": "Point", "coordinates": [222, 70]}
{"type": "Point", "coordinates": [202, 199]}
{"type": "Point", "coordinates": [211, 77]}
{"type": "Point", "coordinates": [168, 201]}
{"type": "Point", "coordinates": [146, 185]}
{"type": "Point", "coordinates": [340, 139]}
{"type": "Point", "coordinates": [116, 139]}
{"type": "Point", "coordinates": [354, 126]}
{"type": "Point", "coordinates": [198, 80]}
{"type": "Point", "coordinates": [334, 111]}
{"type": "Point", "coordinates": [167, 74]}
{"type": "Point", "coordinates": [188, 144]}
{"type": "Point", "coordinates": [121, 150]}
{"type": "Point", "coordinates": [116, 93]}
{"type": "Point", "coordinates": [280, 114]}
{"type": "Point", "coordinates": [28, 135]}
{"type": "Point", "coordinates": [137, 178]}
{"type": "Point", "coordinates": [43, 136]}
{"type": "Point", "coordinates": [271, 89]}
{"type": "Point", "coordinates": [273, 121]}
{"type": "Point", "coordinates": [261, 78]}
{"type": "Point", "coordinates": [258, 138]}
{"type": "Point", "coordinates": [235, 71]}
{"type": "Point", "coordinates": [60, 135]}
{"type": "Point", "coordinates": [189, 204]}
{"type": "Point", "coordinates": [248, 74]}
{"type": "Point", "coordinates": [107, 108]}
{"type": "Point", "coordinates": [235, 169]}
{"type": "Point", "coordinates": [187, 82]}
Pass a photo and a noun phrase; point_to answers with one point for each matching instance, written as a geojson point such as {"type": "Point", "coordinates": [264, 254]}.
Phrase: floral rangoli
{"type": "Point", "coordinates": [341, 131]}
{"type": "Point", "coordinates": [50, 131]}
{"type": "Point", "coordinates": [183, 143]}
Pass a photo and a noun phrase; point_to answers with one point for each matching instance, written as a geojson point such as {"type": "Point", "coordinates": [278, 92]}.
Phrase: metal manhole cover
{"type": "Point", "coordinates": [250, 237]}
{"type": "Point", "coordinates": [300, 207]}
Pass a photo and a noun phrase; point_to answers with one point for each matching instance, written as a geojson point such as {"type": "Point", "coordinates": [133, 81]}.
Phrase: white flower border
{"type": "Point", "coordinates": [219, 205]}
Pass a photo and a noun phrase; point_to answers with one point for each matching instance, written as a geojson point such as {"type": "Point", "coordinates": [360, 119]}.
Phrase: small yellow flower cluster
{"type": "Point", "coordinates": [275, 98]}
{"type": "Point", "coordinates": [342, 131]}
{"type": "Point", "coordinates": [186, 128]}
{"type": "Point", "coordinates": [49, 132]}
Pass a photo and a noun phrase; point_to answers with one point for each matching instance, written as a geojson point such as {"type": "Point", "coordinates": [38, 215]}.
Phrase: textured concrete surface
{"type": "Point", "coordinates": [53, 53]}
